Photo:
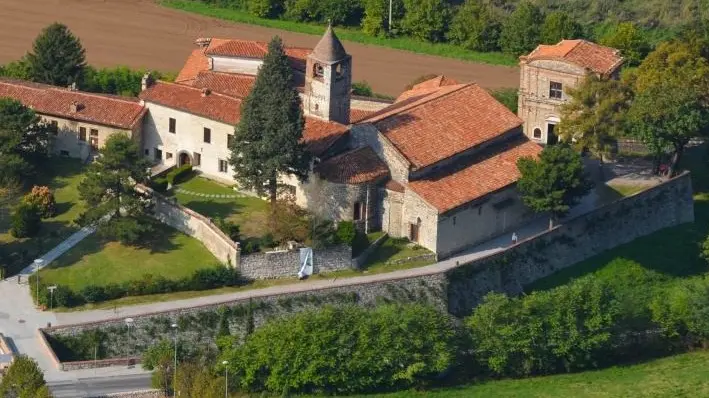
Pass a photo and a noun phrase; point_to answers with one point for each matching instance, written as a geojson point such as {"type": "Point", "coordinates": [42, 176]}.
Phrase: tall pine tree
{"type": "Point", "coordinates": [267, 140]}
{"type": "Point", "coordinates": [57, 56]}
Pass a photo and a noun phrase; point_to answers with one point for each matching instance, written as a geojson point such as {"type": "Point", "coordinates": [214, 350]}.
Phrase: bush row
{"type": "Point", "coordinates": [179, 174]}
{"type": "Point", "coordinates": [201, 279]}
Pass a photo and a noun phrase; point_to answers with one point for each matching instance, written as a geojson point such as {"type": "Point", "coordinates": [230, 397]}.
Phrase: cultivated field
{"type": "Point", "coordinates": [140, 33]}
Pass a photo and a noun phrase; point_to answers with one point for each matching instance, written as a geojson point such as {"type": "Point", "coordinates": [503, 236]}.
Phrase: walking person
{"type": "Point", "coordinates": [514, 238]}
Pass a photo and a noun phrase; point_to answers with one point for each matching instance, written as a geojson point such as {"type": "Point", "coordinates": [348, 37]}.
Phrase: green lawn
{"type": "Point", "coordinates": [93, 261]}
{"type": "Point", "coordinates": [63, 177]}
{"type": "Point", "coordinates": [684, 375]}
{"type": "Point", "coordinates": [395, 249]}
{"type": "Point", "coordinates": [249, 212]}
{"type": "Point", "coordinates": [351, 34]}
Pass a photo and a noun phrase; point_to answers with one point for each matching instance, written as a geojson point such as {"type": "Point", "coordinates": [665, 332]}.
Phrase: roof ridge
{"type": "Point", "coordinates": [427, 98]}
{"type": "Point", "coordinates": [117, 97]}
{"type": "Point", "coordinates": [212, 92]}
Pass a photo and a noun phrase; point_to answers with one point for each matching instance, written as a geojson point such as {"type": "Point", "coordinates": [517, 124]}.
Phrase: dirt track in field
{"type": "Point", "coordinates": [139, 33]}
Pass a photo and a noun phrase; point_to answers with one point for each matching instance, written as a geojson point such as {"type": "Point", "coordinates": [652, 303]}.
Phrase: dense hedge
{"type": "Point", "coordinates": [346, 350]}
{"type": "Point", "coordinates": [159, 184]}
{"type": "Point", "coordinates": [201, 279]}
{"type": "Point", "coordinates": [179, 174]}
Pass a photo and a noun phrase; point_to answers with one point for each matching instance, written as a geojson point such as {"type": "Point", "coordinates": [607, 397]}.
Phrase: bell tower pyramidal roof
{"type": "Point", "coordinates": [329, 49]}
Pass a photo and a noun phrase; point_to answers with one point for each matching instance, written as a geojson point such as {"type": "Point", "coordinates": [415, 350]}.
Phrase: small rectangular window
{"type": "Point", "coordinates": [158, 154]}
{"type": "Point", "coordinates": [223, 166]}
{"type": "Point", "coordinates": [229, 140]}
{"type": "Point", "coordinates": [82, 134]}
{"type": "Point", "coordinates": [173, 126]}
{"type": "Point", "coordinates": [93, 133]}
{"type": "Point", "coordinates": [147, 152]}
{"type": "Point", "coordinates": [555, 90]}
{"type": "Point", "coordinates": [207, 135]}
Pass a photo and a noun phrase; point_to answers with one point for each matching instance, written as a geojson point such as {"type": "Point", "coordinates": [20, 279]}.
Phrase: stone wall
{"type": "Point", "coordinates": [359, 261]}
{"type": "Point", "coordinates": [286, 263]}
{"type": "Point", "coordinates": [196, 226]}
{"type": "Point", "coordinates": [135, 394]}
{"type": "Point", "coordinates": [662, 206]}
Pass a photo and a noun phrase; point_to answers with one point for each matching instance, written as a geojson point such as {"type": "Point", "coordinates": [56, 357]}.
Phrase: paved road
{"type": "Point", "coordinates": [98, 386]}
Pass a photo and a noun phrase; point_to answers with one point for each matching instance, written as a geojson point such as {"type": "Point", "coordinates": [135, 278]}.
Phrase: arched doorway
{"type": "Point", "coordinates": [184, 159]}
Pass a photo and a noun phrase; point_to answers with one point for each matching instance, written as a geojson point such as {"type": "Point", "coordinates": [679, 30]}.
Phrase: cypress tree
{"type": "Point", "coordinates": [267, 140]}
{"type": "Point", "coordinates": [57, 56]}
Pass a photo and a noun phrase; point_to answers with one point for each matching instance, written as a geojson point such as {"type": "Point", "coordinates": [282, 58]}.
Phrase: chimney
{"type": "Point", "coordinates": [147, 81]}
{"type": "Point", "coordinates": [75, 107]}
{"type": "Point", "coordinates": [203, 41]}
{"type": "Point", "coordinates": [205, 92]}
{"type": "Point", "coordinates": [72, 86]}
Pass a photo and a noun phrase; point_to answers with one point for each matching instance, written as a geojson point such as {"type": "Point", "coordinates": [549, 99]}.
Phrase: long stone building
{"type": "Point", "coordinates": [437, 165]}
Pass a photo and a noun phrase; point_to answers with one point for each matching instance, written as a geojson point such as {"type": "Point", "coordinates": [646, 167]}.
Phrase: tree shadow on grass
{"type": "Point", "coordinates": [19, 253]}
{"type": "Point", "coordinates": [214, 209]}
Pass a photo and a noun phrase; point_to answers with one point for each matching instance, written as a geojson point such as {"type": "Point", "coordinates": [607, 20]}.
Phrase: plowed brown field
{"type": "Point", "coordinates": [140, 33]}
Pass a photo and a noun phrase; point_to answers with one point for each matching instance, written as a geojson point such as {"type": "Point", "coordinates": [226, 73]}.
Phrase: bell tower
{"type": "Point", "coordinates": [328, 80]}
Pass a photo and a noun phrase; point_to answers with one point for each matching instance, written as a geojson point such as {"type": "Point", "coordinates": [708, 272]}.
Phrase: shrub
{"type": "Point", "coordinates": [159, 184]}
{"type": "Point", "coordinates": [93, 294]}
{"type": "Point", "coordinates": [362, 89]}
{"type": "Point", "coordinates": [322, 233]}
{"type": "Point", "coordinates": [43, 198]}
{"type": "Point", "coordinates": [684, 310]}
{"type": "Point", "coordinates": [267, 241]}
{"type": "Point", "coordinates": [26, 220]}
{"type": "Point", "coordinates": [346, 232]}
{"type": "Point", "coordinates": [179, 174]}
{"type": "Point", "coordinates": [250, 246]}
{"type": "Point", "coordinates": [347, 350]}
{"type": "Point", "coordinates": [229, 228]}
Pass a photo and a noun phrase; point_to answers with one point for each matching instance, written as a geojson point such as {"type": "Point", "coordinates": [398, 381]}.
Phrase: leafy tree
{"type": "Point", "coordinates": [376, 16]}
{"type": "Point", "coordinates": [346, 350]}
{"type": "Point", "coordinates": [24, 142]}
{"type": "Point", "coordinates": [426, 19]}
{"type": "Point", "coordinates": [475, 27]}
{"type": "Point", "coordinates": [24, 379]}
{"type": "Point", "coordinates": [559, 25]}
{"type": "Point", "coordinates": [705, 249]}
{"type": "Point", "coordinates": [554, 182]}
{"type": "Point", "coordinates": [43, 198]}
{"type": "Point", "coordinates": [267, 140]}
{"type": "Point", "coordinates": [17, 70]}
{"type": "Point", "coordinates": [521, 31]}
{"type": "Point", "coordinates": [631, 42]}
{"type": "Point", "coordinates": [683, 309]}
{"type": "Point", "coordinates": [26, 220]}
{"type": "Point", "coordinates": [160, 358]}
{"type": "Point", "coordinates": [108, 190]}
{"type": "Point", "coordinates": [671, 98]}
{"type": "Point", "coordinates": [57, 56]}
{"type": "Point", "coordinates": [264, 8]}
{"type": "Point", "coordinates": [362, 89]}
{"type": "Point", "coordinates": [596, 114]}
{"type": "Point", "coordinates": [289, 221]}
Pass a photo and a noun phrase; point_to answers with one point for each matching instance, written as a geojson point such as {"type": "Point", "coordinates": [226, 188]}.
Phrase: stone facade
{"type": "Point", "coordinates": [327, 89]}
{"type": "Point", "coordinates": [78, 139]}
{"type": "Point", "coordinates": [392, 207]}
{"type": "Point", "coordinates": [368, 135]}
{"type": "Point", "coordinates": [286, 263]}
{"type": "Point", "coordinates": [418, 214]}
{"type": "Point", "coordinates": [187, 144]}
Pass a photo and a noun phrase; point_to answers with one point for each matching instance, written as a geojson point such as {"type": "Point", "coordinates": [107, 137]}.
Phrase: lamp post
{"type": "Point", "coordinates": [51, 296]}
{"type": "Point", "coordinates": [390, 1]}
{"type": "Point", "coordinates": [226, 379]}
{"type": "Point", "coordinates": [174, 377]}
{"type": "Point", "coordinates": [129, 323]}
{"type": "Point", "coordinates": [37, 265]}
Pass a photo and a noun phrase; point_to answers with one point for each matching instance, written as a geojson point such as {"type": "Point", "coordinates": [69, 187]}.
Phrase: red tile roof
{"type": "Point", "coordinates": [359, 114]}
{"type": "Point", "coordinates": [449, 121]}
{"type": "Point", "coordinates": [354, 167]}
{"type": "Point", "coordinates": [490, 172]}
{"type": "Point", "coordinates": [215, 106]}
{"type": "Point", "coordinates": [395, 186]}
{"type": "Point", "coordinates": [597, 58]}
{"type": "Point", "coordinates": [427, 87]}
{"type": "Point", "coordinates": [320, 135]}
{"type": "Point", "coordinates": [254, 49]}
{"type": "Point", "coordinates": [196, 63]}
{"type": "Point", "coordinates": [107, 110]}
{"type": "Point", "coordinates": [236, 85]}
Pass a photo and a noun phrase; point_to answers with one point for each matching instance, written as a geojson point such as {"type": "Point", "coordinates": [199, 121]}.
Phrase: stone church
{"type": "Point", "coordinates": [437, 165]}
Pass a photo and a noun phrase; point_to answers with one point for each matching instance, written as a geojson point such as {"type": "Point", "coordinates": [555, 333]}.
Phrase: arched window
{"type": "Point", "coordinates": [339, 71]}
{"type": "Point", "coordinates": [537, 133]}
{"type": "Point", "coordinates": [318, 70]}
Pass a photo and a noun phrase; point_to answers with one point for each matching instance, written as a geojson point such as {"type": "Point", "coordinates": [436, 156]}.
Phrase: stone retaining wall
{"type": "Point", "coordinates": [101, 363]}
{"type": "Point", "coordinates": [286, 263]}
{"type": "Point", "coordinates": [135, 394]}
{"type": "Point", "coordinates": [359, 261]}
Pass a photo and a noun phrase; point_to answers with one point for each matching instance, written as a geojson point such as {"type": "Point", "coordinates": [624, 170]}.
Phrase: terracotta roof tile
{"type": "Point", "coordinates": [599, 59]}
{"type": "Point", "coordinates": [437, 126]}
{"type": "Point", "coordinates": [427, 87]}
{"type": "Point", "coordinates": [493, 170]}
{"type": "Point", "coordinates": [354, 167]}
{"type": "Point", "coordinates": [215, 106]}
{"type": "Point", "coordinates": [359, 114]}
{"type": "Point", "coordinates": [254, 49]}
{"type": "Point", "coordinates": [196, 63]}
{"type": "Point", "coordinates": [320, 135]}
{"type": "Point", "coordinates": [108, 110]}
{"type": "Point", "coordinates": [237, 85]}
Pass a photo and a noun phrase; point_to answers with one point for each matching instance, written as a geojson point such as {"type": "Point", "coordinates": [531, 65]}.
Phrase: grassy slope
{"type": "Point", "coordinates": [170, 253]}
{"type": "Point", "coordinates": [684, 375]}
{"type": "Point", "coordinates": [354, 35]}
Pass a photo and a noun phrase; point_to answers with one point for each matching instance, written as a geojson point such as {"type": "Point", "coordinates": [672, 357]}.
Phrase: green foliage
{"type": "Point", "coordinates": [264, 8]}
{"type": "Point", "coordinates": [57, 56]}
{"type": "Point", "coordinates": [559, 25]}
{"type": "Point", "coordinates": [122, 213]}
{"type": "Point", "coordinates": [631, 42]}
{"type": "Point", "coordinates": [565, 329]}
{"type": "Point", "coordinates": [19, 69]}
{"type": "Point", "coordinates": [267, 140]}
{"type": "Point", "coordinates": [24, 142]}
{"type": "Point", "coordinates": [705, 249]}
{"type": "Point", "coordinates": [426, 19]}
{"type": "Point", "coordinates": [554, 182]}
{"type": "Point", "coordinates": [120, 80]}
{"type": "Point", "coordinates": [376, 16]}
{"type": "Point", "coordinates": [683, 310]}
{"type": "Point", "coordinates": [43, 198]}
{"type": "Point", "coordinates": [346, 232]}
{"type": "Point", "coordinates": [230, 228]}
{"type": "Point", "coordinates": [322, 233]}
{"type": "Point", "coordinates": [194, 380]}
{"type": "Point", "coordinates": [337, 12]}
{"type": "Point", "coordinates": [159, 184]}
{"type": "Point", "coordinates": [508, 97]}
{"type": "Point", "coordinates": [362, 88]}
{"type": "Point", "coordinates": [475, 27]}
{"type": "Point", "coordinates": [23, 379]}
{"type": "Point", "coordinates": [521, 31]}
{"type": "Point", "coordinates": [346, 350]}
{"type": "Point", "coordinates": [26, 220]}
{"type": "Point", "coordinates": [179, 174]}
{"type": "Point", "coordinates": [288, 222]}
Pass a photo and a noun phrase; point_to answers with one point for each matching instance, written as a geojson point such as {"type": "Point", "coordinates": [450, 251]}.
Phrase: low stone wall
{"type": "Point", "coordinates": [101, 363]}
{"type": "Point", "coordinates": [359, 261]}
{"type": "Point", "coordinates": [662, 206]}
{"type": "Point", "coordinates": [421, 257]}
{"type": "Point", "coordinates": [286, 263]}
{"type": "Point", "coordinates": [135, 394]}
{"type": "Point", "coordinates": [196, 226]}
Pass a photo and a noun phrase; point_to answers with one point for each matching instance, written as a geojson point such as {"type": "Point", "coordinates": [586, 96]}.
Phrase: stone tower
{"type": "Point", "coordinates": [328, 80]}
